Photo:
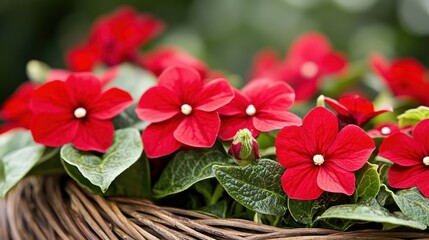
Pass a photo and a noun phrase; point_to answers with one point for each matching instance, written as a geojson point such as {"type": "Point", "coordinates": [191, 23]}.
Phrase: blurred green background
{"type": "Point", "coordinates": [224, 33]}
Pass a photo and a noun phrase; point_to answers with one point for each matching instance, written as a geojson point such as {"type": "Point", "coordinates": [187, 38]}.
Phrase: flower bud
{"type": "Point", "coordinates": [244, 148]}
{"type": "Point", "coordinates": [37, 71]}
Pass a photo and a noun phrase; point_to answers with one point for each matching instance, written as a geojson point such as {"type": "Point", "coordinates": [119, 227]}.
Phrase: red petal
{"type": "Point", "coordinates": [83, 58]}
{"type": "Point", "coordinates": [267, 95]}
{"type": "Point", "coordinates": [402, 149]}
{"type": "Point", "coordinates": [351, 149]}
{"type": "Point", "coordinates": [338, 107]}
{"type": "Point", "coordinates": [420, 134]}
{"type": "Point", "coordinates": [54, 129]}
{"type": "Point", "coordinates": [199, 129]}
{"type": "Point", "coordinates": [94, 135]}
{"type": "Point", "coordinates": [58, 74]}
{"type": "Point", "coordinates": [231, 124]}
{"type": "Point", "coordinates": [163, 57]}
{"type": "Point", "coordinates": [184, 81]}
{"type": "Point", "coordinates": [16, 109]}
{"type": "Point", "coordinates": [336, 180]}
{"type": "Point", "coordinates": [321, 127]}
{"type": "Point", "coordinates": [405, 177]}
{"type": "Point", "coordinates": [267, 121]}
{"type": "Point", "coordinates": [110, 104]}
{"type": "Point", "coordinates": [158, 138]}
{"type": "Point", "coordinates": [292, 148]}
{"type": "Point", "coordinates": [380, 66]}
{"type": "Point", "coordinates": [423, 183]}
{"type": "Point", "coordinates": [265, 64]}
{"type": "Point", "coordinates": [215, 94]}
{"type": "Point", "coordinates": [300, 182]}
{"type": "Point", "coordinates": [332, 63]}
{"type": "Point", "coordinates": [237, 106]}
{"type": "Point", "coordinates": [309, 47]}
{"type": "Point", "coordinates": [306, 89]}
{"type": "Point", "coordinates": [365, 118]}
{"type": "Point", "coordinates": [52, 97]}
{"type": "Point", "coordinates": [83, 88]}
{"type": "Point", "coordinates": [158, 104]}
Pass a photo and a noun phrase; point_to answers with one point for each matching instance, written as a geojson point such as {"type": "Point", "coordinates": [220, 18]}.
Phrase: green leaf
{"type": "Point", "coordinates": [412, 204]}
{"type": "Point", "coordinates": [188, 168]}
{"type": "Point", "coordinates": [368, 213]}
{"type": "Point", "coordinates": [134, 80]}
{"type": "Point", "coordinates": [14, 140]}
{"type": "Point", "coordinates": [133, 182]}
{"type": "Point", "coordinates": [303, 211]}
{"type": "Point", "coordinates": [17, 164]}
{"type": "Point", "coordinates": [256, 186]}
{"type": "Point", "coordinates": [101, 171]}
{"type": "Point", "coordinates": [18, 155]}
{"type": "Point", "coordinates": [368, 182]}
{"type": "Point", "coordinates": [412, 116]}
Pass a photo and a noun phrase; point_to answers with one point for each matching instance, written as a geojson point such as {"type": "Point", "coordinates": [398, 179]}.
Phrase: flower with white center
{"type": "Point", "coordinates": [318, 159]}
{"type": "Point", "coordinates": [309, 70]}
{"type": "Point", "coordinates": [80, 112]}
{"type": "Point", "coordinates": [186, 109]}
{"type": "Point", "coordinates": [250, 110]}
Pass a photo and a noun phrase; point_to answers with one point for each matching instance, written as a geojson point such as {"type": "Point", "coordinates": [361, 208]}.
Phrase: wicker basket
{"type": "Point", "coordinates": [39, 208]}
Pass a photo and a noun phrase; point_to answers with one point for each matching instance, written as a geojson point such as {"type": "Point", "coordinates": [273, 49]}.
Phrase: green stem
{"type": "Point", "coordinates": [217, 194]}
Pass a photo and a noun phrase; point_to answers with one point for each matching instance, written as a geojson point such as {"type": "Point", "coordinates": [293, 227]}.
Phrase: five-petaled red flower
{"type": "Point", "coordinates": [354, 109]}
{"type": "Point", "coordinates": [261, 106]}
{"type": "Point", "coordinates": [318, 158]}
{"type": "Point", "coordinates": [76, 111]}
{"type": "Point", "coordinates": [182, 111]}
{"type": "Point", "coordinates": [309, 60]}
{"type": "Point", "coordinates": [114, 39]}
{"type": "Point", "coordinates": [405, 77]}
{"type": "Point", "coordinates": [410, 156]}
{"type": "Point", "coordinates": [16, 112]}
{"type": "Point", "coordinates": [161, 58]}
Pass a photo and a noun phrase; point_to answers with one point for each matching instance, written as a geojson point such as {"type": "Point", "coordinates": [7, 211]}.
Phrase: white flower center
{"type": "Point", "coordinates": [385, 131]}
{"type": "Point", "coordinates": [426, 161]}
{"type": "Point", "coordinates": [309, 70]}
{"type": "Point", "coordinates": [250, 110]}
{"type": "Point", "coordinates": [80, 112]}
{"type": "Point", "coordinates": [186, 109]}
{"type": "Point", "coordinates": [318, 159]}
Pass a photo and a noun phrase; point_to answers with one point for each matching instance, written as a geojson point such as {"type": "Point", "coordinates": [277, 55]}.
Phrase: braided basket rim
{"type": "Point", "coordinates": [38, 208]}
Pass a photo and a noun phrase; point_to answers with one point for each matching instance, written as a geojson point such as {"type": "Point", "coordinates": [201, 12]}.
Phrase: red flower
{"type": "Point", "coordinates": [261, 106]}
{"type": "Point", "coordinates": [386, 129]}
{"type": "Point", "coordinates": [182, 111]}
{"type": "Point", "coordinates": [309, 60]}
{"type": "Point", "coordinates": [405, 77]}
{"type": "Point", "coordinates": [16, 111]}
{"type": "Point", "coordinates": [76, 111]}
{"type": "Point", "coordinates": [318, 158]}
{"type": "Point", "coordinates": [114, 39]}
{"type": "Point", "coordinates": [410, 156]}
{"type": "Point", "coordinates": [162, 58]}
{"type": "Point", "coordinates": [354, 109]}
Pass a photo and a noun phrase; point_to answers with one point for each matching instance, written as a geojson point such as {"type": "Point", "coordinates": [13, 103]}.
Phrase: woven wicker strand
{"type": "Point", "coordinates": [39, 208]}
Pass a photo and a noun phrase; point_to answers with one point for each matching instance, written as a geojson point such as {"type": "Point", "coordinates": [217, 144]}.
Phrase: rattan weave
{"type": "Point", "coordinates": [42, 208]}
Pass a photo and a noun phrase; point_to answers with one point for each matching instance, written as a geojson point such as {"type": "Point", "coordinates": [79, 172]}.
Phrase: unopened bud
{"type": "Point", "coordinates": [37, 71]}
{"type": "Point", "coordinates": [244, 148]}
{"type": "Point", "coordinates": [321, 101]}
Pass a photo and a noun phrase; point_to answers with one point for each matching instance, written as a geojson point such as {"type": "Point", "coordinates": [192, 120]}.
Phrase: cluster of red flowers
{"type": "Point", "coordinates": [185, 110]}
